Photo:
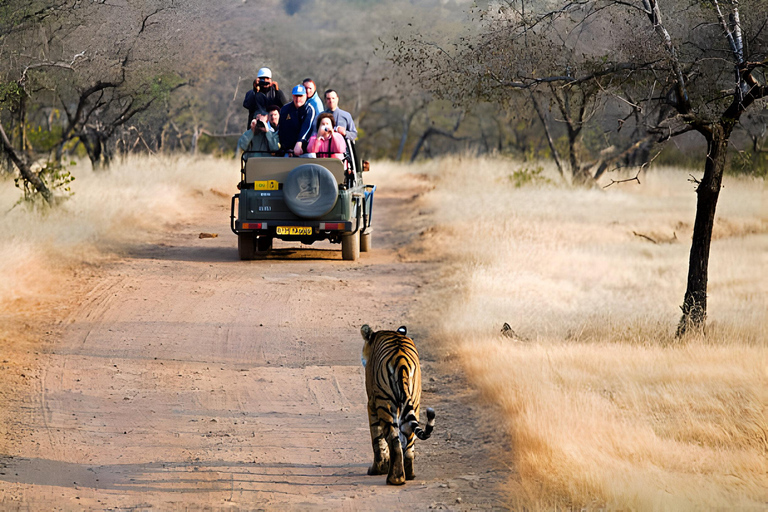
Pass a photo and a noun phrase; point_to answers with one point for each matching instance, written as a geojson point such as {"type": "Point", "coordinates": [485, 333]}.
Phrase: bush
{"type": "Point", "coordinates": [748, 163]}
{"type": "Point", "coordinates": [529, 176]}
{"type": "Point", "coordinates": [55, 176]}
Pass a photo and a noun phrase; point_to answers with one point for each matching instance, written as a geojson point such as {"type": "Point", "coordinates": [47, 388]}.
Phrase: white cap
{"type": "Point", "coordinates": [264, 73]}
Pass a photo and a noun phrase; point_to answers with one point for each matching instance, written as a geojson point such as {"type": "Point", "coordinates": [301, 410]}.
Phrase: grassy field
{"type": "Point", "coordinates": [603, 406]}
{"type": "Point", "coordinates": [108, 211]}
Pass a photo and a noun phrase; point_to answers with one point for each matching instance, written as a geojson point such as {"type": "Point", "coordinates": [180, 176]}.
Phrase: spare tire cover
{"type": "Point", "coordinates": [310, 190]}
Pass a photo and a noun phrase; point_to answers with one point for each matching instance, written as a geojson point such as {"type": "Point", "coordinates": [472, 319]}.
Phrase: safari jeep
{"type": "Point", "coordinates": [302, 199]}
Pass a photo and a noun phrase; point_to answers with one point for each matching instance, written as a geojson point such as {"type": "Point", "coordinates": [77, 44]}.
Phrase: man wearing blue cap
{"type": "Point", "coordinates": [296, 121]}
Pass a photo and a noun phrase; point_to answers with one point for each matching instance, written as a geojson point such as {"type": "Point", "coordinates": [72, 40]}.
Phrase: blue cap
{"type": "Point", "coordinates": [299, 90]}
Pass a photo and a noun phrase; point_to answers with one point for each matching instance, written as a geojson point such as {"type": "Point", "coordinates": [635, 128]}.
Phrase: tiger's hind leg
{"type": "Point", "coordinates": [396, 475]}
{"type": "Point", "coordinates": [380, 464]}
{"type": "Point", "coordinates": [408, 457]}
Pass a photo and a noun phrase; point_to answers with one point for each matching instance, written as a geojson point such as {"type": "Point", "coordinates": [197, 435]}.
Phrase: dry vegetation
{"type": "Point", "coordinates": [47, 255]}
{"type": "Point", "coordinates": [108, 210]}
{"type": "Point", "coordinates": [604, 408]}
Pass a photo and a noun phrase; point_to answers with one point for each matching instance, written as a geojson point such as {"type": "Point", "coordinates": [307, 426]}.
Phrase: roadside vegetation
{"type": "Point", "coordinates": [39, 247]}
{"type": "Point", "coordinates": [604, 406]}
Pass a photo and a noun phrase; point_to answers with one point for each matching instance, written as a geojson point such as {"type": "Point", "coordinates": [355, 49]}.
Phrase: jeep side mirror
{"type": "Point", "coordinates": [366, 166]}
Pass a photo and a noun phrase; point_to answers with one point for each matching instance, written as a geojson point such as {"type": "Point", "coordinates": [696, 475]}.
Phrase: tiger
{"type": "Point", "coordinates": [393, 384]}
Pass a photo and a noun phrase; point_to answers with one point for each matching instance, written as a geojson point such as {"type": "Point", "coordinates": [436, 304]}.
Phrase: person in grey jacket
{"type": "Point", "coordinates": [341, 118]}
{"type": "Point", "coordinates": [261, 139]}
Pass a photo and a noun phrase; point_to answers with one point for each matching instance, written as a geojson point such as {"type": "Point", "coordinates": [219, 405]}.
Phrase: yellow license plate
{"type": "Point", "coordinates": [265, 185]}
{"type": "Point", "coordinates": [294, 230]}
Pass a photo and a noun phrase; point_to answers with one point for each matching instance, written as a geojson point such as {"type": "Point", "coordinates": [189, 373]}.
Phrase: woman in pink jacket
{"type": "Point", "coordinates": [327, 142]}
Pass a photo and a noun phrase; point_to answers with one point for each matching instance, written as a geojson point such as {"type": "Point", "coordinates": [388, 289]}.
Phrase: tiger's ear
{"type": "Point", "coordinates": [402, 330]}
{"type": "Point", "coordinates": [367, 332]}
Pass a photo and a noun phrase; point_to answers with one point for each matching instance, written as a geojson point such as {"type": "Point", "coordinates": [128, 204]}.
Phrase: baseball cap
{"type": "Point", "coordinates": [264, 73]}
{"type": "Point", "coordinates": [299, 90]}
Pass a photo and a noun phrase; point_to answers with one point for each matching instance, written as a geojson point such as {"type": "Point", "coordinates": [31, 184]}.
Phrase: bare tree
{"type": "Point", "coordinates": [699, 72]}
{"type": "Point", "coordinates": [97, 63]}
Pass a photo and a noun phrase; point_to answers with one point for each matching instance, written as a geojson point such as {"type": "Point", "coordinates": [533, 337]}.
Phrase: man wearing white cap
{"type": "Point", "coordinates": [265, 93]}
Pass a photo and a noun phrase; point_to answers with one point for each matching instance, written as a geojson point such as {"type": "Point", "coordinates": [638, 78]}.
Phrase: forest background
{"type": "Point", "coordinates": [104, 79]}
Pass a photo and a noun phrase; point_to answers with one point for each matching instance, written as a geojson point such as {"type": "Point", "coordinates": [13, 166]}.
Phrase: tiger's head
{"type": "Point", "coordinates": [369, 335]}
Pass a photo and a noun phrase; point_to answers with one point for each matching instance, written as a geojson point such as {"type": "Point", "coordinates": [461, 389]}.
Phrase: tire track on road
{"type": "Point", "coordinates": [184, 379]}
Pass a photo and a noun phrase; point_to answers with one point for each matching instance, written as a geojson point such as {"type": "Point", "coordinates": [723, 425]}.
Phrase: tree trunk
{"type": "Point", "coordinates": [93, 148]}
{"type": "Point", "coordinates": [695, 302]}
{"type": "Point", "coordinates": [550, 140]}
{"type": "Point", "coordinates": [195, 138]}
{"type": "Point", "coordinates": [96, 146]}
{"type": "Point", "coordinates": [19, 158]}
{"type": "Point", "coordinates": [404, 137]}
{"type": "Point", "coordinates": [23, 143]}
{"type": "Point", "coordinates": [580, 173]}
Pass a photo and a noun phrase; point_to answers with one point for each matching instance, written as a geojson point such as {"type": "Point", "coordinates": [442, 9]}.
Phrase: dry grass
{"type": "Point", "coordinates": [46, 256]}
{"type": "Point", "coordinates": [127, 204]}
{"type": "Point", "coordinates": [603, 406]}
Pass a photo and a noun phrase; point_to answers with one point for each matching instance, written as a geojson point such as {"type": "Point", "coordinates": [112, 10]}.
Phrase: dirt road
{"type": "Point", "coordinates": [181, 378]}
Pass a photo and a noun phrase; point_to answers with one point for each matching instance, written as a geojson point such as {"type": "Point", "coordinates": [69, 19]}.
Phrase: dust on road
{"type": "Point", "coordinates": [180, 377]}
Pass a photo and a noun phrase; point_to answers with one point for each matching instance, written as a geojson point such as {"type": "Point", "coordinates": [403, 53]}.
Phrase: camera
{"type": "Point", "coordinates": [326, 129]}
{"type": "Point", "coordinates": [260, 124]}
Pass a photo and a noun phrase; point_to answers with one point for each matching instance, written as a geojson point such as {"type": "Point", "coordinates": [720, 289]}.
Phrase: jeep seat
{"type": "Point", "coordinates": [276, 168]}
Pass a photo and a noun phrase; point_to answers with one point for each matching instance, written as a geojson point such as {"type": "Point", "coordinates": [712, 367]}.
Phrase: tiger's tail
{"type": "Point", "coordinates": [411, 424]}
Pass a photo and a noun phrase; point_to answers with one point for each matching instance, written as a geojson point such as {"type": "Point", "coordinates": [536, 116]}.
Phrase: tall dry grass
{"type": "Point", "coordinates": [604, 408]}
{"type": "Point", "coordinates": [129, 203]}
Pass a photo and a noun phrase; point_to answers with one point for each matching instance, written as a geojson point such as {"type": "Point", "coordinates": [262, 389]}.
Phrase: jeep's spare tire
{"type": "Point", "coordinates": [310, 191]}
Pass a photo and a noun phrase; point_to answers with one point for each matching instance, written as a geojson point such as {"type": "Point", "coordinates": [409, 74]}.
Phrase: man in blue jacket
{"type": "Point", "coordinates": [313, 97]}
{"type": "Point", "coordinates": [296, 121]}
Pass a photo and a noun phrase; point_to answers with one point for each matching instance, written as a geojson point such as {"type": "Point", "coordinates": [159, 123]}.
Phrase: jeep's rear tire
{"type": "Point", "coordinates": [350, 246]}
{"type": "Point", "coordinates": [246, 246]}
{"type": "Point", "coordinates": [263, 244]}
{"type": "Point", "coordinates": [310, 191]}
{"type": "Point", "coordinates": [365, 242]}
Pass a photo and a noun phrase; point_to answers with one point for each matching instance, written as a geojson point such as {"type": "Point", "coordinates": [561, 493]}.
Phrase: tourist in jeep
{"type": "Point", "coordinates": [297, 119]}
{"type": "Point", "coordinates": [265, 93]}
{"type": "Point", "coordinates": [341, 118]}
{"type": "Point", "coordinates": [327, 143]}
{"type": "Point", "coordinates": [273, 114]}
{"type": "Point", "coordinates": [312, 97]}
{"type": "Point", "coordinates": [260, 139]}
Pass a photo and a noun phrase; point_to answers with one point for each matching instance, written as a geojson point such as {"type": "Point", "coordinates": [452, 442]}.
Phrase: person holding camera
{"type": "Point", "coordinates": [327, 142]}
{"type": "Point", "coordinates": [264, 94]}
{"type": "Point", "coordinates": [260, 139]}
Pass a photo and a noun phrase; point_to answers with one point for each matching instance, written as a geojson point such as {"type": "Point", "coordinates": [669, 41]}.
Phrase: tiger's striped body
{"type": "Point", "coordinates": [393, 384]}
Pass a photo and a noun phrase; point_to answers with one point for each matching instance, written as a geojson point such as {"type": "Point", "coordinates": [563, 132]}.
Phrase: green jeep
{"type": "Point", "coordinates": [302, 199]}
